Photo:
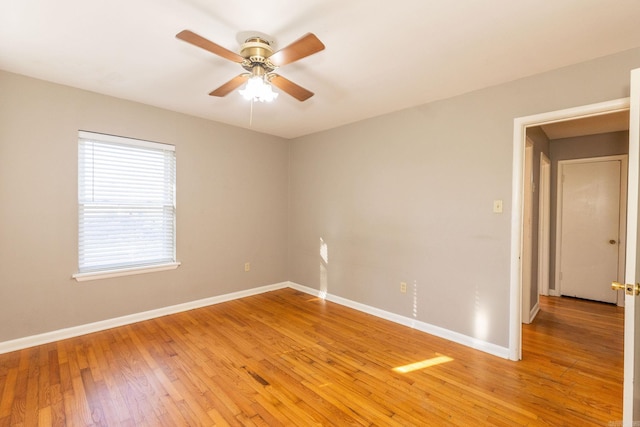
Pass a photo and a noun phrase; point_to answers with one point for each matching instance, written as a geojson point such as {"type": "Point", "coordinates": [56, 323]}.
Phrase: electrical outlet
{"type": "Point", "coordinates": [403, 287]}
{"type": "Point", "coordinates": [247, 266]}
{"type": "Point", "coordinates": [497, 206]}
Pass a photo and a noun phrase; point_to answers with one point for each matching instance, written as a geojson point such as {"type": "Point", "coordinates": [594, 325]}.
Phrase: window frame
{"type": "Point", "coordinates": [131, 269]}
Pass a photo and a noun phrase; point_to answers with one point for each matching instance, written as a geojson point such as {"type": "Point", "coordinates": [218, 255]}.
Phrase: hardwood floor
{"type": "Point", "coordinates": [286, 358]}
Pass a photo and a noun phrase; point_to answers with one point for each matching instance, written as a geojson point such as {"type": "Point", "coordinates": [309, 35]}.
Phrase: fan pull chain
{"type": "Point", "coordinates": [251, 114]}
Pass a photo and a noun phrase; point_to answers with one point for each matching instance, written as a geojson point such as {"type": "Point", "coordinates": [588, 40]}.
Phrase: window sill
{"type": "Point", "coordinates": [106, 274]}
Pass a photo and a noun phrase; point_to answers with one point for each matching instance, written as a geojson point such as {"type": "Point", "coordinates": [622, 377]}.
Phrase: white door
{"type": "Point", "coordinates": [631, 404]}
{"type": "Point", "coordinates": [589, 200]}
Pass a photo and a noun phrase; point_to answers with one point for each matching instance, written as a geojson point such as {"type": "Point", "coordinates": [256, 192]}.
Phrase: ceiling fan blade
{"type": "Point", "coordinates": [201, 42]}
{"type": "Point", "coordinates": [286, 85]}
{"type": "Point", "coordinates": [301, 48]}
{"type": "Point", "coordinates": [231, 85]}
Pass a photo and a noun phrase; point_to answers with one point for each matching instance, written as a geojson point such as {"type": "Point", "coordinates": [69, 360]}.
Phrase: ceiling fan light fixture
{"type": "Point", "coordinates": [257, 89]}
{"type": "Point", "coordinates": [258, 58]}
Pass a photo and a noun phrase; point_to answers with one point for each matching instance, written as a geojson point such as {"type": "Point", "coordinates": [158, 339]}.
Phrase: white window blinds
{"type": "Point", "coordinates": [126, 198]}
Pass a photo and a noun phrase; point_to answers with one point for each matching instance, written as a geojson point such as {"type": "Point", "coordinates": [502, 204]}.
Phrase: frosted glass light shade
{"type": "Point", "coordinates": [258, 90]}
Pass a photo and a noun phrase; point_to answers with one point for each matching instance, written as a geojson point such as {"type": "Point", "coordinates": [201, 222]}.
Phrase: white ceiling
{"type": "Point", "coordinates": [380, 56]}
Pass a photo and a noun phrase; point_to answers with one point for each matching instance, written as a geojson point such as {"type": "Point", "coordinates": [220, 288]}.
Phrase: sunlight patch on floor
{"type": "Point", "coordinates": [422, 365]}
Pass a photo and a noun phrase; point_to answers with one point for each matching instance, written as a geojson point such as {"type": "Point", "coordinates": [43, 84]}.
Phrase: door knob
{"type": "Point", "coordinates": [613, 242]}
{"type": "Point", "coordinates": [628, 288]}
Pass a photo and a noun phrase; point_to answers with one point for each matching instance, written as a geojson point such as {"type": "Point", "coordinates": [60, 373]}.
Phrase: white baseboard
{"type": "Point", "coordinates": [456, 337]}
{"type": "Point", "coordinates": [534, 312]}
{"type": "Point", "coordinates": [61, 334]}
{"type": "Point", "coordinates": [48, 337]}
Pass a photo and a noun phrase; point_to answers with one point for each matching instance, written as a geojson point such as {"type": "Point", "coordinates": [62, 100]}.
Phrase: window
{"type": "Point", "coordinates": [126, 206]}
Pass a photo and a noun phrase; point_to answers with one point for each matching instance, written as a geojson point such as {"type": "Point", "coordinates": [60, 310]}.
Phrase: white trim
{"type": "Point", "coordinates": [107, 274]}
{"type": "Point", "coordinates": [544, 216]}
{"type": "Point", "coordinates": [48, 337]}
{"type": "Point", "coordinates": [103, 137]}
{"type": "Point", "coordinates": [527, 231]}
{"type": "Point", "coordinates": [534, 312]}
{"type": "Point", "coordinates": [456, 337]}
{"type": "Point", "coordinates": [75, 331]}
{"type": "Point", "coordinates": [520, 126]}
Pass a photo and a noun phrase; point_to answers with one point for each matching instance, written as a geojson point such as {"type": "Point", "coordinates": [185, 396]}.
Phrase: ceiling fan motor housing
{"type": "Point", "coordinates": [256, 52]}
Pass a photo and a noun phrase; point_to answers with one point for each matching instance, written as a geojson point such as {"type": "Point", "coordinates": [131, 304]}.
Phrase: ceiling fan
{"type": "Point", "coordinates": [258, 58]}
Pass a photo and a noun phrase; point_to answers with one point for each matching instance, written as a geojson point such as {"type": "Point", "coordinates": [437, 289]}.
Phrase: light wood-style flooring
{"type": "Point", "coordinates": [287, 358]}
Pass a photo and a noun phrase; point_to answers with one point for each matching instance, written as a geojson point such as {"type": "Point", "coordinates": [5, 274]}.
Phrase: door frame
{"type": "Point", "coordinates": [520, 125]}
{"type": "Point", "coordinates": [544, 225]}
{"type": "Point", "coordinates": [527, 232]}
{"type": "Point", "coordinates": [622, 215]}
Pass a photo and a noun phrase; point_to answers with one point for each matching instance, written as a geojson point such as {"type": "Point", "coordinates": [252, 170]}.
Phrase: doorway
{"type": "Point", "coordinates": [571, 117]}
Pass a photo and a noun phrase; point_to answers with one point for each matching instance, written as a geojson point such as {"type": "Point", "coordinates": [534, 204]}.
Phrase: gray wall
{"type": "Point", "coordinates": [408, 197]}
{"type": "Point", "coordinates": [583, 147]}
{"type": "Point", "coordinates": [402, 197]}
{"type": "Point", "coordinates": [231, 208]}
